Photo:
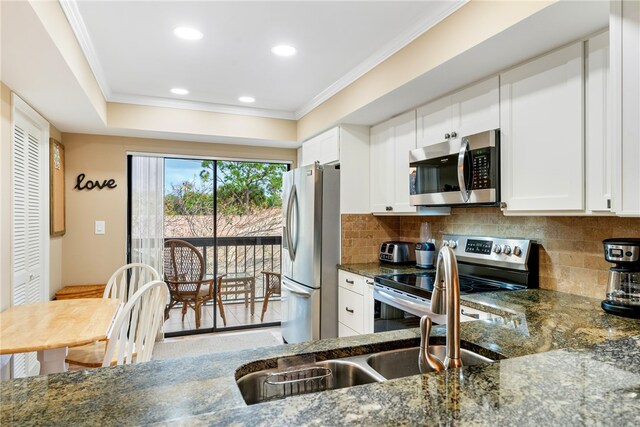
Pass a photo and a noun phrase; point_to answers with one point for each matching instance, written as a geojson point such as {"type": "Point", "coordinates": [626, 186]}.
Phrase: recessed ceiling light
{"type": "Point", "coordinates": [284, 50]}
{"type": "Point", "coordinates": [247, 99]}
{"type": "Point", "coordinates": [179, 91]}
{"type": "Point", "coordinates": [187, 33]}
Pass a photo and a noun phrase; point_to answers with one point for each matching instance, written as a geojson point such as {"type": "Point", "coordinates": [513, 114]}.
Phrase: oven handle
{"type": "Point", "coordinates": [397, 301]}
{"type": "Point", "coordinates": [462, 156]}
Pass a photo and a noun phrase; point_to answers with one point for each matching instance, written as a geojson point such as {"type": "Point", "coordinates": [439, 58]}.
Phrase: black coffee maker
{"type": "Point", "coordinates": [623, 290]}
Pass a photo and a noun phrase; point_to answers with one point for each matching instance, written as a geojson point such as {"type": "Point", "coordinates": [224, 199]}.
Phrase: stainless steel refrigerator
{"type": "Point", "coordinates": [310, 253]}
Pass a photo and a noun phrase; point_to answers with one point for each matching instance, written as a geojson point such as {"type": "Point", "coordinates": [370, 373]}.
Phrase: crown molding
{"type": "Point", "coordinates": [378, 57]}
{"type": "Point", "coordinates": [71, 11]}
{"type": "Point", "coordinates": [152, 101]}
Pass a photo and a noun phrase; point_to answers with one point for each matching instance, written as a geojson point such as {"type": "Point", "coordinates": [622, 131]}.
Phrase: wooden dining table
{"type": "Point", "coordinates": [51, 327]}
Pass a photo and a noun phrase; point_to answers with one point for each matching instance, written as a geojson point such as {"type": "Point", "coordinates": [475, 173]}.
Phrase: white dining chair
{"type": "Point", "coordinates": [138, 312]}
{"type": "Point", "coordinates": [134, 331]}
{"type": "Point", "coordinates": [128, 279]}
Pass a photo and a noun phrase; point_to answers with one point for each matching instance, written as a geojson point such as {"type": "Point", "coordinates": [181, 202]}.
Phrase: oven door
{"type": "Point", "coordinates": [394, 310]}
{"type": "Point", "coordinates": [456, 172]}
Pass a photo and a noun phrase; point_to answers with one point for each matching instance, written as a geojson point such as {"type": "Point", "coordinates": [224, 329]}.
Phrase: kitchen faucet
{"type": "Point", "coordinates": [445, 298]}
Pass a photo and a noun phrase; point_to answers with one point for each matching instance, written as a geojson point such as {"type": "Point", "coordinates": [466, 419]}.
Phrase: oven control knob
{"type": "Point", "coordinates": [445, 243]}
{"type": "Point", "coordinates": [506, 249]}
{"type": "Point", "coordinates": [497, 249]}
{"type": "Point", "coordinates": [453, 244]}
{"type": "Point", "coordinates": [517, 251]}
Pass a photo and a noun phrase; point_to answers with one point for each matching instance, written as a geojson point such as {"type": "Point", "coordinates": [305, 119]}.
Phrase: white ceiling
{"type": "Point", "coordinates": [136, 58]}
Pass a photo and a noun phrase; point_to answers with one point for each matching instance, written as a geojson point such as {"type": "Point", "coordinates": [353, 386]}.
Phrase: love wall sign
{"type": "Point", "coordinates": [81, 184]}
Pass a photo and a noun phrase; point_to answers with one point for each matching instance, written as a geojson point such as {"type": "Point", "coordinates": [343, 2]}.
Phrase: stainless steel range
{"type": "Point", "coordinates": [485, 264]}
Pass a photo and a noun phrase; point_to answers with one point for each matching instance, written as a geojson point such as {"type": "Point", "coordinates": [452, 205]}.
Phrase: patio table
{"type": "Point", "coordinates": [51, 327]}
{"type": "Point", "coordinates": [240, 283]}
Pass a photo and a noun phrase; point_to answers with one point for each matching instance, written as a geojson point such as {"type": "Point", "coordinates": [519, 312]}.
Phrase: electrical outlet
{"type": "Point", "coordinates": [100, 227]}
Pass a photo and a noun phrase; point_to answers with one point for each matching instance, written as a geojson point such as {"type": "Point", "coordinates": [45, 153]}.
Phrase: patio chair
{"type": "Point", "coordinates": [184, 275]}
{"type": "Point", "coordinates": [272, 282]}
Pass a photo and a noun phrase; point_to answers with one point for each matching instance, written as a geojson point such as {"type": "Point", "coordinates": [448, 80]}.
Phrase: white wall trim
{"type": "Point", "coordinates": [193, 157]}
{"type": "Point", "coordinates": [378, 57]}
{"type": "Point", "coordinates": [71, 11]}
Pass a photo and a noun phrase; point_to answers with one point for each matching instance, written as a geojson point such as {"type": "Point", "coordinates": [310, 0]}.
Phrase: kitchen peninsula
{"type": "Point", "coordinates": [567, 363]}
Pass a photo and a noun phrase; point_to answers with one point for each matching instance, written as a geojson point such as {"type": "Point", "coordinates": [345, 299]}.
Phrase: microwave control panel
{"type": "Point", "coordinates": [481, 169]}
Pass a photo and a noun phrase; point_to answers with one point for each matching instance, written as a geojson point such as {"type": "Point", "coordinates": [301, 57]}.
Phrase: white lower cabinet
{"type": "Point", "coordinates": [355, 304]}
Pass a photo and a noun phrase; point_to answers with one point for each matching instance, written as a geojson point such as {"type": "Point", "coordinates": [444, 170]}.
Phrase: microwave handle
{"type": "Point", "coordinates": [464, 152]}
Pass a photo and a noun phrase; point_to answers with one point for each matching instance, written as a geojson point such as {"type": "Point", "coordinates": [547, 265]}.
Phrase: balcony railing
{"type": "Point", "coordinates": [247, 254]}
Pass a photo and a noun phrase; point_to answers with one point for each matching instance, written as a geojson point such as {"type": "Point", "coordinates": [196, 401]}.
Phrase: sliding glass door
{"type": "Point", "coordinates": [230, 211]}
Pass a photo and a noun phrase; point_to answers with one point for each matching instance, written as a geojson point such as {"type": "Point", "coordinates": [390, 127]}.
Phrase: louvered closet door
{"type": "Point", "coordinates": [30, 190]}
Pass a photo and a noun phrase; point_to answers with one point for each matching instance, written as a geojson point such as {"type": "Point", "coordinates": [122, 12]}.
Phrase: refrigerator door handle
{"type": "Point", "coordinates": [295, 290]}
{"type": "Point", "coordinates": [293, 198]}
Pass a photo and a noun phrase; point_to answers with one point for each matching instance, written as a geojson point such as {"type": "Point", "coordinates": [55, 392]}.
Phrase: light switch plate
{"type": "Point", "coordinates": [100, 227]}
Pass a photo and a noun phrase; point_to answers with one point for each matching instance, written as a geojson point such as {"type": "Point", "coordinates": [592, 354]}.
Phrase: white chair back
{"type": "Point", "coordinates": [128, 279]}
{"type": "Point", "coordinates": [134, 330]}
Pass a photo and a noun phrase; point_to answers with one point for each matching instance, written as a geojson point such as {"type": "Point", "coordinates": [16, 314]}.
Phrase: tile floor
{"type": "Point", "coordinates": [236, 315]}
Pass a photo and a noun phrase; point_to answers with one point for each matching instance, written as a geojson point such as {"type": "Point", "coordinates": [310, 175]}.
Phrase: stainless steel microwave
{"type": "Point", "coordinates": [458, 172]}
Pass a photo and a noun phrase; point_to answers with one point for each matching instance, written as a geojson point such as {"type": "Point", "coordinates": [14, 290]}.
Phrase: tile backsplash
{"type": "Point", "coordinates": [571, 254]}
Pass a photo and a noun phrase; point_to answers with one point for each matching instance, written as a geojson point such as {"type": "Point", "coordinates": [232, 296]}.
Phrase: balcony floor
{"type": "Point", "coordinates": [236, 315]}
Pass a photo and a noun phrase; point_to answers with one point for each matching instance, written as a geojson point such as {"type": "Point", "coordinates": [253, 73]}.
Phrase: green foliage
{"type": "Point", "coordinates": [242, 188]}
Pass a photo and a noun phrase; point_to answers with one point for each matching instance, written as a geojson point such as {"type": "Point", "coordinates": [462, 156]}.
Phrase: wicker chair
{"type": "Point", "coordinates": [184, 275]}
{"type": "Point", "coordinates": [272, 282]}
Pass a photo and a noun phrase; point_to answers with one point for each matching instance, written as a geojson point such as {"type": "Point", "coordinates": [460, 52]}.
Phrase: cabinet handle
{"type": "Point", "coordinates": [389, 208]}
{"type": "Point", "coordinates": [608, 203]}
{"type": "Point", "coordinates": [447, 136]}
{"type": "Point", "coordinates": [349, 310]}
{"type": "Point", "coordinates": [453, 134]}
{"type": "Point", "coordinates": [349, 281]}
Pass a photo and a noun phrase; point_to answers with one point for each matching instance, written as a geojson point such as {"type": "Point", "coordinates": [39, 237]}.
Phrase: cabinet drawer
{"type": "Point", "coordinates": [351, 281]}
{"type": "Point", "coordinates": [350, 309]}
{"type": "Point", "coordinates": [345, 331]}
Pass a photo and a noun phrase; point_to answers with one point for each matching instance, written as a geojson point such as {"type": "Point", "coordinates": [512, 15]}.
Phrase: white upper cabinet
{"type": "Point", "coordinates": [625, 107]}
{"type": "Point", "coordinates": [542, 137]}
{"type": "Point", "coordinates": [599, 153]}
{"type": "Point", "coordinates": [469, 111]}
{"type": "Point", "coordinates": [324, 148]}
{"type": "Point", "coordinates": [390, 143]}
{"type": "Point", "coordinates": [347, 145]}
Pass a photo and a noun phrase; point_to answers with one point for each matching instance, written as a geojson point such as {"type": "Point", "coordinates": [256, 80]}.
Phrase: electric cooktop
{"type": "Point", "coordinates": [422, 284]}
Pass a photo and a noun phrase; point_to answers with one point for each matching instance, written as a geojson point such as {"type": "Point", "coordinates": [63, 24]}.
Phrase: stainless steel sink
{"type": "Point", "coordinates": [273, 384]}
{"type": "Point", "coordinates": [279, 383]}
{"type": "Point", "coordinates": [404, 362]}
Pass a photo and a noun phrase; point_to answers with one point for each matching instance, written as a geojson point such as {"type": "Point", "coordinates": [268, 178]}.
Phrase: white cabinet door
{"type": "Point", "coordinates": [542, 142]}
{"type": "Point", "coordinates": [381, 172]}
{"type": "Point", "coordinates": [324, 148]}
{"type": "Point", "coordinates": [391, 142]}
{"type": "Point", "coordinates": [476, 108]}
{"type": "Point", "coordinates": [625, 75]}
{"type": "Point", "coordinates": [471, 110]}
{"type": "Point", "coordinates": [404, 140]}
{"type": "Point", "coordinates": [434, 122]}
{"type": "Point", "coordinates": [597, 138]}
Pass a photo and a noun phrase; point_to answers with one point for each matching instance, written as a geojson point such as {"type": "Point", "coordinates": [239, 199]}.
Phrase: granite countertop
{"type": "Point", "coordinates": [568, 363]}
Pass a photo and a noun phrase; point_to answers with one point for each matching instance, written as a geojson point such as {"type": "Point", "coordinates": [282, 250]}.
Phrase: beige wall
{"type": "Point", "coordinates": [175, 120]}
{"type": "Point", "coordinates": [571, 254]}
{"type": "Point", "coordinates": [462, 30]}
{"type": "Point", "coordinates": [89, 258]}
